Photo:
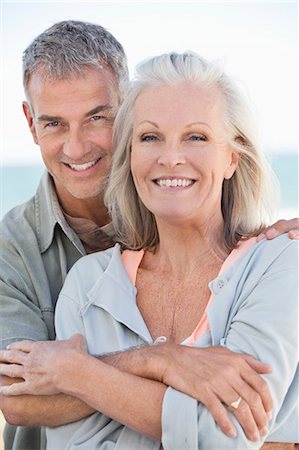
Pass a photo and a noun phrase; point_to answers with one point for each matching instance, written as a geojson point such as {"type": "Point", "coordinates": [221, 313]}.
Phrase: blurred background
{"type": "Point", "coordinates": [257, 42]}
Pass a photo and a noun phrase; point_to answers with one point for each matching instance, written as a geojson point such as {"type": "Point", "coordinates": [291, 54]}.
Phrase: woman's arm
{"type": "Point", "coordinates": [47, 369]}
{"type": "Point", "coordinates": [264, 324]}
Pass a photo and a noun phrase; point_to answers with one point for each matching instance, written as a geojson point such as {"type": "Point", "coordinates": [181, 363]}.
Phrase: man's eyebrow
{"type": "Point", "coordinates": [46, 118]}
{"type": "Point", "coordinates": [98, 109]}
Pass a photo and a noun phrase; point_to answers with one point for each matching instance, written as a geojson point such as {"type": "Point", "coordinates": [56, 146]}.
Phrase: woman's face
{"type": "Point", "coordinates": [180, 153]}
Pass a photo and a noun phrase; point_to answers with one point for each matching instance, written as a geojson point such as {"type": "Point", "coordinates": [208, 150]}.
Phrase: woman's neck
{"type": "Point", "coordinates": [183, 249]}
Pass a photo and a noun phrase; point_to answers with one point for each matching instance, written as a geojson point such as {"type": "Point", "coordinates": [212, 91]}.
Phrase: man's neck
{"type": "Point", "coordinates": [90, 209]}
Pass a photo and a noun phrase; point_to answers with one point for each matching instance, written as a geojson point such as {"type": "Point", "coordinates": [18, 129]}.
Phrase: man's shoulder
{"type": "Point", "coordinates": [281, 249]}
{"type": "Point", "coordinates": [90, 270]}
{"type": "Point", "coordinates": [18, 220]}
{"type": "Point", "coordinates": [98, 261]}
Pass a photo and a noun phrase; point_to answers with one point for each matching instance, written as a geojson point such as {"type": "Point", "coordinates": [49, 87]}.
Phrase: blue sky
{"type": "Point", "coordinates": [257, 41]}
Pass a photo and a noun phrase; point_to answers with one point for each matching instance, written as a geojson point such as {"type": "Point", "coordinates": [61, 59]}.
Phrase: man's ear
{"type": "Point", "coordinates": [29, 118]}
{"type": "Point", "coordinates": [235, 157]}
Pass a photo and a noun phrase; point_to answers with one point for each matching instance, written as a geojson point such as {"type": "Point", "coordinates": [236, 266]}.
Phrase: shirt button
{"type": "Point", "coordinates": [217, 284]}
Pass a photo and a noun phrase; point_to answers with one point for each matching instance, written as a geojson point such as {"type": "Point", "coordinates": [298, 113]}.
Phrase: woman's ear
{"type": "Point", "coordinates": [235, 157]}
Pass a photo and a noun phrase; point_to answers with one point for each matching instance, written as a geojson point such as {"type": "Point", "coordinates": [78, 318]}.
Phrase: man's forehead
{"type": "Point", "coordinates": [102, 77]}
{"type": "Point", "coordinates": [87, 91]}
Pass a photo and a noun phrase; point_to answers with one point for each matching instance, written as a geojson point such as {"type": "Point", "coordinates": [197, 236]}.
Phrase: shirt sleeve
{"type": "Point", "coordinates": [265, 325]}
{"type": "Point", "coordinates": [68, 317]}
{"type": "Point", "coordinates": [21, 316]}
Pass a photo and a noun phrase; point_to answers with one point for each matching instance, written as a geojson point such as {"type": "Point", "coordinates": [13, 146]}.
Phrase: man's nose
{"type": "Point", "coordinates": [171, 155]}
{"type": "Point", "coordinates": [75, 145]}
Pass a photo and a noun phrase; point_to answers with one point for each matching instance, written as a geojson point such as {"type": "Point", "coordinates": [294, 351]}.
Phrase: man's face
{"type": "Point", "coordinates": [71, 120]}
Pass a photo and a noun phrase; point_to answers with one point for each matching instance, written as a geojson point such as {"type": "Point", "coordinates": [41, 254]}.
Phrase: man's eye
{"type": "Point", "coordinates": [148, 138]}
{"type": "Point", "coordinates": [53, 124]}
{"type": "Point", "coordinates": [198, 137]}
{"type": "Point", "coordinates": [97, 118]}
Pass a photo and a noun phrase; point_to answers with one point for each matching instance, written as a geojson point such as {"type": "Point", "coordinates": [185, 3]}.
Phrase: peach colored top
{"type": "Point", "coordinates": [132, 259]}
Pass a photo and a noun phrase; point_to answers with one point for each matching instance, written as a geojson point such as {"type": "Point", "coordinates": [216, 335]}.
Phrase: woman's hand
{"type": "Point", "coordinates": [290, 226]}
{"type": "Point", "coordinates": [217, 377]}
{"type": "Point", "coordinates": [42, 365]}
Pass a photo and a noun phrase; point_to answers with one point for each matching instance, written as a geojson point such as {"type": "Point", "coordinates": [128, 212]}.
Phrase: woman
{"type": "Point", "coordinates": [189, 189]}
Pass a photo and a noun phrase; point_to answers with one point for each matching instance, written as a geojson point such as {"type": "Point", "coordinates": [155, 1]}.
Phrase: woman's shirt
{"type": "Point", "coordinates": [252, 310]}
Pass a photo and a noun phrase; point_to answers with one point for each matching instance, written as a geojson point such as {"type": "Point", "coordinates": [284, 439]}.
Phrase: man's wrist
{"type": "Point", "coordinates": [147, 361]}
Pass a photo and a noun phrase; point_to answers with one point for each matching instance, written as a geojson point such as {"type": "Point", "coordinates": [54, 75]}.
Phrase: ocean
{"type": "Point", "coordinates": [18, 184]}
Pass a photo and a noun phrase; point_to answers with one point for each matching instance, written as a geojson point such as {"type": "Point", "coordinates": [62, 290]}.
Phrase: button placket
{"type": "Point", "coordinates": [217, 284]}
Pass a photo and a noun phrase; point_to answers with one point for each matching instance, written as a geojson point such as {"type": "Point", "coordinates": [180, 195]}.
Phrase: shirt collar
{"type": "Point", "coordinates": [120, 301]}
{"type": "Point", "coordinates": [49, 214]}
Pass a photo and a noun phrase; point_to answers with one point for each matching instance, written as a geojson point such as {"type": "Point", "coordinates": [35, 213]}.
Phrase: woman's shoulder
{"type": "Point", "coordinates": [88, 269]}
{"type": "Point", "coordinates": [281, 249]}
{"type": "Point", "coordinates": [98, 260]}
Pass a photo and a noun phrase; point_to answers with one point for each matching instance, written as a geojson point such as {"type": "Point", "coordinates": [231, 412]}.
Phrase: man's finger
{"type": "Point", "coordinates": [293, 234]}
{"type": "Point", "coordinates": [12, 370]}
{"type": "Point", "coordinates": [12, 356]}
{"type": "Point", "coordinates": [290, 226]}
{"type": "Point", "coordinates": [14, 389]}
{"type": "Point", "coordinates": [23, 346]}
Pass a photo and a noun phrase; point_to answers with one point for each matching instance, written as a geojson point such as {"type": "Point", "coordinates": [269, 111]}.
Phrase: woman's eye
{"type": "Point", "coordinates": [198, 137]}
{"type": "Point", "coordinates": [148, 138]}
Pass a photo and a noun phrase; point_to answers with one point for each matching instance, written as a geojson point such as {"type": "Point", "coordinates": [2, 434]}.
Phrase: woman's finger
{"type": "Point", "coordinates": [220, 414]}
{"type": "Point", "coordinates": [259, 385]}
{"type": "Point", "coordinates": [245, 417]}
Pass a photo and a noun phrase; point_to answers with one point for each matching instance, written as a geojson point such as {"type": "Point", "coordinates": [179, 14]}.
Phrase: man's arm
{"type": "Point", "coordinates": [49, 368]}
{"type": "Point", "coordinates": [282, 226]}
{"type": "Point", "coordinates": [41, 410]}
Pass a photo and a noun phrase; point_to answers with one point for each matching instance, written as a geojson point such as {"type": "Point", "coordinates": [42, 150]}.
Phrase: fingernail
{"type": "Point", "coordinates": [264, 431]}
{"type": "Point", "coordinates": [269, 414]}
{"type": "Point", "coordinates": [8, 347]}
{"type": "Point", "coordinates": [294, 233]}
{"type": "Point", "coordinates": [232, 433]}
{"type": "Point", "coordinates": [260, 237]}
{"type": "Point", "coordinates": [255, 437]}
{"type": "Point", "coordinates": [271, 233]}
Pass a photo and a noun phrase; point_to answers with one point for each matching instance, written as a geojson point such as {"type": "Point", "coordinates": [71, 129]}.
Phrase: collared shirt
{"type": "Point", "coordinates": [253, 311]}
{"type": "Point", "coordinates": [38, 248]}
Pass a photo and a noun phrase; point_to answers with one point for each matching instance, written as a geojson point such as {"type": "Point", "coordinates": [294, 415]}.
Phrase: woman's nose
{"type": "Point", "coordinates": [171, 155]}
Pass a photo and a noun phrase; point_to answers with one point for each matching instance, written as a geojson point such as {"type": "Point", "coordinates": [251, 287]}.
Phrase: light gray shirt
{"type": "Point", "coordinates": [38, 248]}
{"type": "Point", "coordinates": [254, 311]}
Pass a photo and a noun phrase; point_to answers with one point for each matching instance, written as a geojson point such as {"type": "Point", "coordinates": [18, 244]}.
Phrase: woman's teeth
{"type": "Point", "coordinates": [174, 182]}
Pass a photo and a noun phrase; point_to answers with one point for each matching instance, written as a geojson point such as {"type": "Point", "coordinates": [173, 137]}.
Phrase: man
{"type": "Point", "coordinates": [75, 76]}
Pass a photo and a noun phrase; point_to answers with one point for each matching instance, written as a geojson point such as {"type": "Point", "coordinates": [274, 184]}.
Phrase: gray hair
{"type": "Point", "coordinates": [248, 198]}
{"type": "Point", "coordinates": [67, 48]}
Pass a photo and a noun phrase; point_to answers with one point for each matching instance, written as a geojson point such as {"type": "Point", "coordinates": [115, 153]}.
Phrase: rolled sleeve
{"type": "Point", "coordinates": [263, 322]}
{"type": "Point", "coordinates": [179, 421]}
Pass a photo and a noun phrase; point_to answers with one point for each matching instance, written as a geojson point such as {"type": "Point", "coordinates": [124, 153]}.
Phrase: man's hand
{"type": "Point", "coordinates": [215, 376]}
{"type": "Point", "coordinates": [38, 364]}
{"type": "Point", "coordinates": [290, 226]}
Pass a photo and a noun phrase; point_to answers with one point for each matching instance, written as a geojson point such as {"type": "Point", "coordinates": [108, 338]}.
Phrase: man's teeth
{"type": "Point", "coordinates": [174, 182]}
{"type": "Point", "coordinates": [85, 166]}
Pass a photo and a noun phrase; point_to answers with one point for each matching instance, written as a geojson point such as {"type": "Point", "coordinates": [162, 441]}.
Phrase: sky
{"type": "Point", "coordinates": [256, 41]}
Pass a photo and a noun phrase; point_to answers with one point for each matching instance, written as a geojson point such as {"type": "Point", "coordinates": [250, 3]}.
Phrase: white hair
{"type": "Point", "coordinates": [248, 198]}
